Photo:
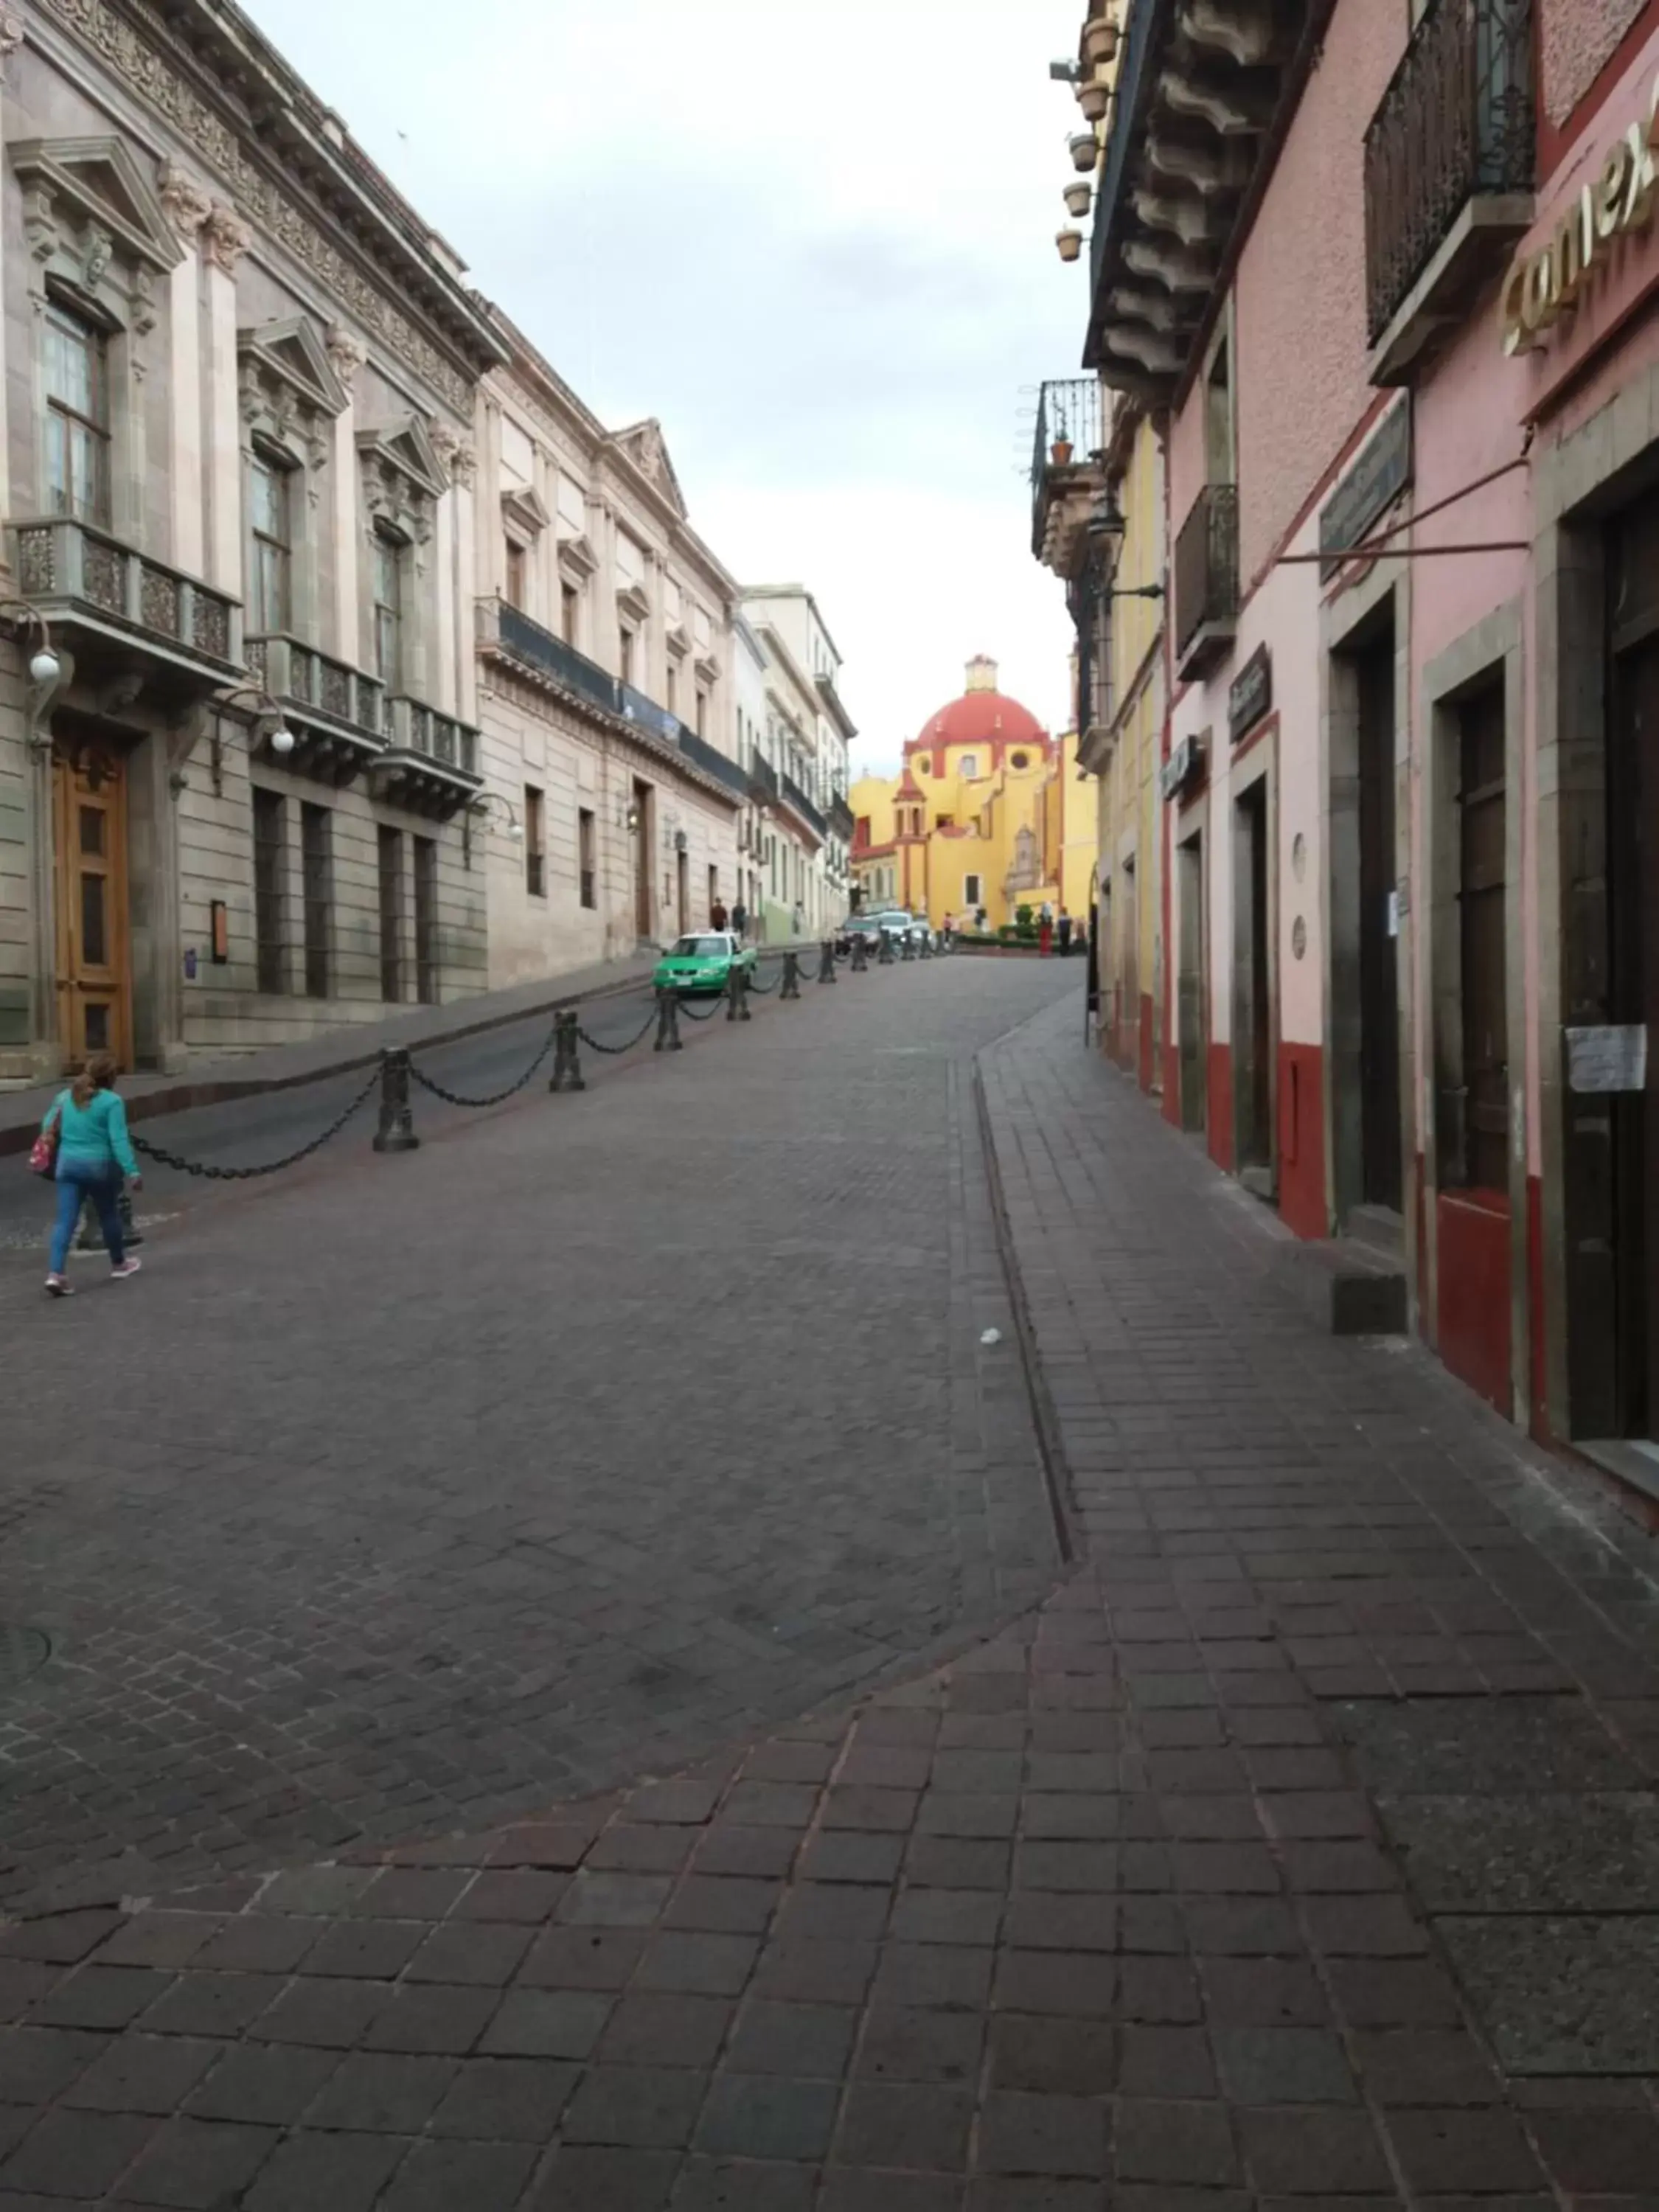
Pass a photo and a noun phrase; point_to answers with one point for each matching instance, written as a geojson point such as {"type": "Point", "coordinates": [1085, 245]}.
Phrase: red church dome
{"type": "Point", "coordinates": [982, 716]}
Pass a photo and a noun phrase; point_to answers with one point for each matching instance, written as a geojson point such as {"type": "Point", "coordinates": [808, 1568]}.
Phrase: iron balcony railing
{"type": "Point", "coordinates": [69, 567]}
{"type": "Point", "coordinates": [762, 779]}
{"type": "Point", "coordinates": [297, 675]}
{"type": "Point", "coordinates": [1068, 416]}
{"type": "Point", "coordinates": [506, 627]}
{"type": "Point", "coordinates": [841, 819]}
{"type": "Point", "coordinates": [414, 727]}
{"type": "Point", "coordinates": [796, 800]}
{"type": "Point", "coordinates": [1206, 564]}
{"type": "Point", "coordinates": [1091, 612]}
{"type": "Point", "coordinates": [1457, 121]}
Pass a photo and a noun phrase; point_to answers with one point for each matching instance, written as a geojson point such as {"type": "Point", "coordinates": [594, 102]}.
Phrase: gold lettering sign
{"type": "Point", "coordinates": [1546, 285]}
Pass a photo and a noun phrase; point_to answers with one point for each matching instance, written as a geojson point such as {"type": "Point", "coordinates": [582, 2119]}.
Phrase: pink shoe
{"type": "Point", "coordinates": [127, 1267]}
{"type": "Point", "coordinates": [58, 1288]}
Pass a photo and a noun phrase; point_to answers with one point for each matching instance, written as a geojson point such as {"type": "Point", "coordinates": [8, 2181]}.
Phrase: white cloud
{"type": "Point", "coordinates": [816, 243]}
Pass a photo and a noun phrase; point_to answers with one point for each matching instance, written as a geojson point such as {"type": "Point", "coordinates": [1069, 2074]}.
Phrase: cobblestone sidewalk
{"type": "Point", "coordinates": [1301, 1851]}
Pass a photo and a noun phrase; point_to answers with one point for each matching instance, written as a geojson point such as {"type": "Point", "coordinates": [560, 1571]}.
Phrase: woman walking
{"type": "Point", "coordinates": [94, 1153]}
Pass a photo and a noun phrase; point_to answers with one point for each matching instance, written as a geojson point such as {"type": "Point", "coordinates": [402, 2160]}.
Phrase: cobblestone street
{"type": "Point", "coordinates": [1296, 1847]}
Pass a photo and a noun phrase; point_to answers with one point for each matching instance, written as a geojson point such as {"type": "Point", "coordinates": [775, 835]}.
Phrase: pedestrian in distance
{"type": "Point", "coordinates": [717, 913]}
{"type": "Point", "coordinates": [1046, 934]}
{"type": "Point", "coordinates": [740, 921]}
{"type": "Point", "coordinates": [87, 1127]}
{"type": "Point", "coordinates": [1065, 929]}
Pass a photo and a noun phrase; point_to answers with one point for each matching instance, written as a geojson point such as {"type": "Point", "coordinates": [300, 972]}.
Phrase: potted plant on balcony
{"type": "Point", "coordinates": [1061, 453]}
{"type": "Point", "coordinates": [1099, 41]}
{"type": "Point", "coordinates": [1094, 96]}
{"type": "Point", "coordinates": [1070, 243]}
{"type": "Point", "coordinates": [1085, 151]}
{"type": "Point", "coordinates": [1078, 198]}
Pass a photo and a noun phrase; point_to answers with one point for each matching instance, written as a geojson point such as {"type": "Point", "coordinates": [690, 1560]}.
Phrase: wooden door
{"type": "Point", "coordinates": [1191, 995]}
{"type": "Point", "coordinates": [94, 990]}
{"type": "Point", "coordinates": [643, 863]}
{"type": "Point", "coordinates": [1633, 887]}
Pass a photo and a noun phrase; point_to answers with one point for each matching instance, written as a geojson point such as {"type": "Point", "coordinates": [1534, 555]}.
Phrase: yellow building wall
{"type": "Point", "coordinates": [971, 827]}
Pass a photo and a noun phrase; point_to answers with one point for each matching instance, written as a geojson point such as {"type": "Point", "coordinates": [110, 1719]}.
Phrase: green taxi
{"type": "Point", "coordinates": [702, 962]}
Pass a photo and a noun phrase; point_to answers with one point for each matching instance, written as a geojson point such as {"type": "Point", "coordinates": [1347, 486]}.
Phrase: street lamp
{"type": "Point", "coordinates": [267, 714]}
{"type": "Point", "coordinates": [481, 805]}
{"type": "Point", "coordinates": [1107, 529]}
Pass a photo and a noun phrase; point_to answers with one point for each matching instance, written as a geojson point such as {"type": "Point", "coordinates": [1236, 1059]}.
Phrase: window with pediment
{"type": "Point", "coordinates": [99, 240]}
{"type": "Point", "coordinates": [402, 482]}
{"type": "Point", "coordinates": [290, 395]}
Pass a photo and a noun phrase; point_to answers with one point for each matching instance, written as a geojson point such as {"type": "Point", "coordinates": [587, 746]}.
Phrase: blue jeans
{"type": "Point", "coordinates": [103, 1190]}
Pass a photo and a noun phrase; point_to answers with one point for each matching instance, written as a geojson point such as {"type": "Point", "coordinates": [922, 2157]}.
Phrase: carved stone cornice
{"type": "Point", "coordinates": [11, 35]}
{"type": "Point", "coordinates": [225, 238]}
{"type": "Point", "coordinates": [150, 75]}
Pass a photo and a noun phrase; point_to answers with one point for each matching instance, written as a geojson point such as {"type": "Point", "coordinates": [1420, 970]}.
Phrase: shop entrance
{"type": "Point", "coordinates": [1381, 1181]}
{"type": "Point", "coordinates": [1633, 978]}
{"type": "Point", "coordinates": [89, 853]}
{"type": "Point", "coordinates": [1192, 996]}
{"type": "Point", "coordinates": [1252, 991]}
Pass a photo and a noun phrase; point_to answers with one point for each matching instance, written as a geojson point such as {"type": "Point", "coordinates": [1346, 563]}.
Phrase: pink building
{"type": "Point", "coordinates": [1385, 275]}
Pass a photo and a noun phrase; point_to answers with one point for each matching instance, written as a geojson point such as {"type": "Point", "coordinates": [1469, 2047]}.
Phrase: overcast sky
{"type": "Point", "coordinates": [817, 243]}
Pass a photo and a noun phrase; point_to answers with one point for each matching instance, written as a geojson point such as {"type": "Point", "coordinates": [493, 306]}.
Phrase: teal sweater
{"type": "Point", "coordinates": [93, 1142]}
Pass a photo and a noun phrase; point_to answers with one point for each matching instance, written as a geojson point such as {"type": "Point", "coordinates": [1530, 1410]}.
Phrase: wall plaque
{"type": "Point", "coordinates": [1251, 695]}
{"type": "Point", "coordinates": [1372, 485]}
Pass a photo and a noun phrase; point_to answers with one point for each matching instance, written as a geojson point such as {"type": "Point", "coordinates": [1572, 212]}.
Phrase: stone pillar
{"type": "Point", "coordinates": [188, 206]}
{"type": "Point", "coordinates": [467, 584]}
{"type": "Point", "coordinates": [347, 356]}
{"type": "Point", "coordinates": [443, 692]}
{"type": "Point", "coordinates": [225, 239]}
{"type": "Point", "coordinates": [11, 37]}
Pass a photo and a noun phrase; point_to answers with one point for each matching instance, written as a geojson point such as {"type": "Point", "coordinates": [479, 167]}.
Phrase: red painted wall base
{"type": "Point", "coordinates": [1538, 1384]}
{"type": "Point", "coordinates": [1144, 1054]}
{"type": "Point", "coordinates": [1220, 1115]}
{"type": "Point", "coordinates": [1172, 1084]}
{"type": "Point", "coordinates": [1302, 1139]}
{"type": "Point", "coordinates": [1473, 1242]}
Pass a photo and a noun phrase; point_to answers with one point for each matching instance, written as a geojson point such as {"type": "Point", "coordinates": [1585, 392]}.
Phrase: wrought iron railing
{"type": "Point", "coordinates": [417, 728]}
{"type": "Point", "coordinates": [67, 561]}
{"type": "Point", "coordinates": [712, 761]}
{"type": "Point", "coordinates": [1090, 613]}
{"type": "Point", "coordinates": [796, 800]}
{"type": "Point", "coordinates": [841, 819]}
{"type": "Point", "coordinates": [1457, 120]}
{"type": "Point", "coordinates": [298, 675]}
{"type": "Point", "coordinates": [1068, 416]}
{"type": "Point", "coordinates": [1207, 563]}
{"type": "Point", "coordinates": [762, 779]}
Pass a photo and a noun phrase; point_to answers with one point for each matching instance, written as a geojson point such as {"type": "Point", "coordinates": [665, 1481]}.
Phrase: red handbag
{"type": "Point", "coordinates": [43, 1152]}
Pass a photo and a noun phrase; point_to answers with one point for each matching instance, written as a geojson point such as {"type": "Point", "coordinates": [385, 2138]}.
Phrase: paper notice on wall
{"type": "Point", "coordinates": [1612, 1056]}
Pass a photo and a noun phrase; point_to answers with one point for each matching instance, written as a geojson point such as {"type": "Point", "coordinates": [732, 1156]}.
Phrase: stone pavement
{"type": "Point", "coordinates": [1299, 1852]}
{"type": "Point", "coordinates": [402, 1494]}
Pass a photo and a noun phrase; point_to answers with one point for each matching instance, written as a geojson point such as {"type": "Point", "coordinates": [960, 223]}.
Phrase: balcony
{"type": "Point", "coordinates": [842, 825]}
{"type": "Point", "coordinates": [123, 616]}
{"type": "Point", "coordinates": [1206, 581]}
{"type": "Point", "coordinates": [1066, 474]}
{"type": "Point", "coordinates": [1203, 90]}
{"type": "Point", "coordinates": [762, 781]}
{"type": "Point", "coordinates": [510, 638]}
{"type": "Point", "coordinates": [1449, 170]}
{"type": "Point", "coordinates": [808, 815]}
{"type": "Point", "coordinates": [336, 713]}
{"type": "Point", "coordinates": [430, 765]}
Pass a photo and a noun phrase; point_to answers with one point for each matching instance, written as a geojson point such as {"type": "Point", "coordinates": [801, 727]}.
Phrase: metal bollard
{"type": "Point", "coordinates": [567, 1052]}
{"type": "Point", "coordinates": [90, 1237]}
{"type": "Point", "coordinates": [736, 996]}
{"type": "Point", "coordinates": [927, 945]}
{"type": "Point", "coordinates": [860, 956]}
{"type": "Point", "coordinates": [827, 961]}
{"type": "Point", "coordinates": [396, 1133]}
{"type": "Point", "coordinates": [910, 952]}
{"type": "Point", "coordinates": [884, 950]}
{"type": "Point", "coordinates": [791, 986]}
{"type": "Point", "coordinates": [668, 1020]}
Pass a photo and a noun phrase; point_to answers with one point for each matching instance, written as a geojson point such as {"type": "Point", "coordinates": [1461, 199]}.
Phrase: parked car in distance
{"type": "Point", "coordinates": [858, 924]}
{"type": "Point", "coordinates": [702, 961]}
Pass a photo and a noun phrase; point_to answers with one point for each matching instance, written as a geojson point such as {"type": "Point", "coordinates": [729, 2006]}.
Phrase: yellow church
{"type": "Point", "coordinates": [986, 816]}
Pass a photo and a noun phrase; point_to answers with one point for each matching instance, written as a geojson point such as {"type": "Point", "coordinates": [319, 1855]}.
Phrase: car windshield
{"type": "Point", "coordinates": [701, 948]}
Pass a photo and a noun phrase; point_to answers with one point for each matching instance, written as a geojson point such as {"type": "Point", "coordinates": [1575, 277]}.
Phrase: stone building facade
{"type": "Point", "coordinates": [605, 687]}
{"type": "Point", "coordinates": [239, 380]}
